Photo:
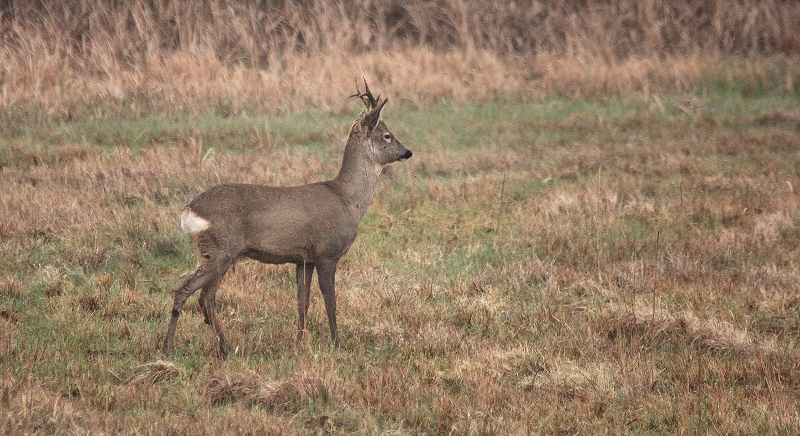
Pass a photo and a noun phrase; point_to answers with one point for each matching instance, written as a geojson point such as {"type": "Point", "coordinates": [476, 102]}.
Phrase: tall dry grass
{"type": "Point", "coordinates": [69, 58]}
{"type": "Point", "coordinates": [259, 31]}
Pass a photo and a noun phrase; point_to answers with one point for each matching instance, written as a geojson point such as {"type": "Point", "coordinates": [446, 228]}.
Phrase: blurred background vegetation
{"type": "Point", "coordinates": [57, 57]}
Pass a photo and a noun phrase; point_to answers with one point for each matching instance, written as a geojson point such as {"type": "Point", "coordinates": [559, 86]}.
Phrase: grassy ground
{"type": "Point", "coordinates": [554, 265]}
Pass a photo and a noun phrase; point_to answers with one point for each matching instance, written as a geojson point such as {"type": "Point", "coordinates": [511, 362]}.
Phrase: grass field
{"type": "Point", "coordinates": [553, 265]}
{"type": "Point", "coordinates": [598, 233]}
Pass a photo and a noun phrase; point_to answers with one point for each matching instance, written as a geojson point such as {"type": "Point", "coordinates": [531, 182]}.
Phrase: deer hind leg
{"type": "Point", "coordinates": [207, 271]}
{"type": "Point", "coordinates": [326, 273]}
{"type": "Point", "coordinates": [304, 272]}
{"type": "Point", "coordinates": [207, 300]}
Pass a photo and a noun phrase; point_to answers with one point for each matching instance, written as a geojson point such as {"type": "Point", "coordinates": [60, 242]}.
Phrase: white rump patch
{"type": "Point", "coordinates": [192, 223]}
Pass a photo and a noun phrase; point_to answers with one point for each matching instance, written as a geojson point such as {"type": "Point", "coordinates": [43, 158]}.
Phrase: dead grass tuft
{"type": "Point", "coordinates": [777, 118]}
{"type": "Point", "coordinates": [285, 395]}
{"type": "Point", "coordinates": [10, 286]}
{"type": "Point", "coordinates": [381, 331]}
{"type": "Point", "coordinates": [152, 373]}
{"type": "Point", "coordinates": [684, 329]}
{"type": "Point", "coordinates": [7, 320]}
{"type": "Point", "coordinates": [569, 379]}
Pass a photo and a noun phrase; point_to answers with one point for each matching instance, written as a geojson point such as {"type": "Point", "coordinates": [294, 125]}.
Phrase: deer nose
{"type": "Point", "coordinates": [406, 155]}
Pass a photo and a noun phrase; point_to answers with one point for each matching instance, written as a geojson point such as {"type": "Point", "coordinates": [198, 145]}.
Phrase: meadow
{"type": "Point", "coordinates": [588, 239]}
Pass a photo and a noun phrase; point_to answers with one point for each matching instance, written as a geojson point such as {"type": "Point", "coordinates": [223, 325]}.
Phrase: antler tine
{"type": "Point", "coordinates": [372, 101]}
{"type": "Point", "coordinates": [369, 101]}
{"type": "Point", "coordinates": [358, 91]}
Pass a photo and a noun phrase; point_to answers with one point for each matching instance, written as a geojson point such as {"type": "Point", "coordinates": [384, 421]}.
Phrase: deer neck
{"type": "Point", "coordinates": [358, 176]}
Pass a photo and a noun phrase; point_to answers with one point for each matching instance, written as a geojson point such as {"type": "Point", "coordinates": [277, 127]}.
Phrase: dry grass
{"type": "Point", "coordinates": [155, 372]}
{"type": "Point", "coordinates": [659, 325]}
{"type": "Point", "coordinates": [624, 267]}
{"type": "Point", "coordinates": [280, 396]}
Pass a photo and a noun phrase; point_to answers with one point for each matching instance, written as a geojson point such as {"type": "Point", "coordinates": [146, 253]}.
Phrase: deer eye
{"type": "Point", "coordinates": [387, 136]}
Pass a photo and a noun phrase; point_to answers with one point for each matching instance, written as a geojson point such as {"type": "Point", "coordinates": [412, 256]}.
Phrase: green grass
{"type": "Point", "coordinates": [552, 266]}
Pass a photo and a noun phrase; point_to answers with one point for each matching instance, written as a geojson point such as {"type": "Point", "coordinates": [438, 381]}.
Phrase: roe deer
{"type": "Point", "coordinates": [311, 225]}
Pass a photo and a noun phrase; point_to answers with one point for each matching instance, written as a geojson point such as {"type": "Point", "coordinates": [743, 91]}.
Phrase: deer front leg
{"type": "Point", "coordinates": [326, 273]}
{"type": "Point", "coordinates": [304, 272]}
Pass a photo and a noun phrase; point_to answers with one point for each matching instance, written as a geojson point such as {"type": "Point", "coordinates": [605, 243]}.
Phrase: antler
{"type": "Point", "coordinates": [369, 101]}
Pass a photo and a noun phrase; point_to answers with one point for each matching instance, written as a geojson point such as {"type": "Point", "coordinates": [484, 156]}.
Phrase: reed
{"type": "Point", "coordinates": [69, 59]}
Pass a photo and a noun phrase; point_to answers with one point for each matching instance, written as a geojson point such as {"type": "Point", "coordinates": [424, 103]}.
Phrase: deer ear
{"type": "Point", "coordinates": [371, 119]}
